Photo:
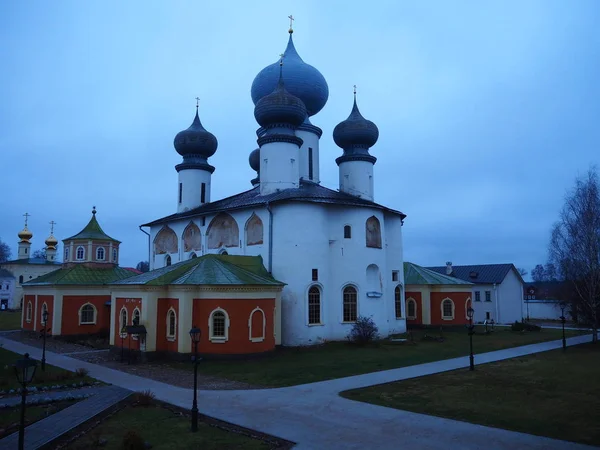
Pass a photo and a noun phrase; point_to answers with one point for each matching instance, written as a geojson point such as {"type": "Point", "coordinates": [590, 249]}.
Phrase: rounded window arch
{"type": "Point", "coordinates": [122, 319]}
{"type": "Point", "coordinates": [373, 232]}
{"type": "Point", "coordinates": [314, 305]}
{"type": "Point", "coordinates": [66, 254]}
{"type": "Point", "coordinates": [87, 314]}
{"type": "Point", "coordinates": [257, 323]}
{"type": "Point", "coordinates": [167, 260]}
{"type": "Point", "coordinates": [114, 255]}
{"type": "Point", "coordinates": [100, 254]}
{"type": "Point", "coordinates": [193, 255]}
{"type": "Point", "coordinates": [223, 252]}
{"type": "Point", "coordinates": [218, 325]}
{"type": "Point", "coordinates": [44, 309]}
{"type": "Point", "coordinates": [28, 312]}
{"type": "Point", "coordinates": [350, 304]}
{"type": "Point", "coordinates": [171, 324]}
{"type": "Point", "coordinates": [411, 308]}
{"type": "Point", "coordinates": [398, 301]}
{"type": "Point", "coordinates": [467, 306]}
{"type": "Point", "coordinates": [347, 232]}
{"type": "Point", "coordinates": [447, 309]}
{"type": "Point", "coordinates": [80, 254]}
{"type": "Point", "coordinates": [135, 317]}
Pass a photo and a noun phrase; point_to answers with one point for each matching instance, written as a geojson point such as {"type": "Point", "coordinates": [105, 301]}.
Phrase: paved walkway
{"type": "Point", "coordinates": [316, 417]}
{"type": "Point", "coordinates": [54, 426]}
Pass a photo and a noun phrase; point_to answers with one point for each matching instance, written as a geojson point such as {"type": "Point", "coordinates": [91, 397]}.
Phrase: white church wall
{"type": "Point", "coordinates": [356, 178]}
{"type": "Point", "coordinates": [279, 167]}
{"type": "Point", "coordinates": [510, 298]}
{"type": "Point", "coordinates": [395, 259]}
{"type": "Point", "coordinates": [310, 141]}
{"type": "Point", "coordinates": [191, 189]}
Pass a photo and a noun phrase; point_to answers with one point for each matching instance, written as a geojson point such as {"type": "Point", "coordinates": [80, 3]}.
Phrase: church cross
{"type": "Point", "coordinates": [26, 215]}
{"type": "Point", "coordinates": [354, 89]}
{"type": "Point", "coordinates": [291, 23]}
{"type": "Point", "coordinates": [197, 102]}
{"type": "Point", "coordinates": [52, 223]}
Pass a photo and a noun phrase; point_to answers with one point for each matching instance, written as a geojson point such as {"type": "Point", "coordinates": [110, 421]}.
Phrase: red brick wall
{"type": "Point", "coordinates": [49, 300]}
{"type": "Point", "coordinates": [70, 314]}
{"type": "Point", "coordinates": [26, 300]}
{"type": "Point", "coordinates": [239, 333]}
{"type": "Point", "coordinates": [129, 304]}
{"type": "Point", "coordinates": [162, 343]}
{"type": "Point", "coordinates": [460, 312]}
{"type": "Point", "coordinates": [419, 310]}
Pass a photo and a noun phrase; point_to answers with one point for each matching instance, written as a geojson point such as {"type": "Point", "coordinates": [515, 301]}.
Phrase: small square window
{"type": "Point", "coordinates": [347, 232]}
{"type": "Point", "coordinates": [488, 316]}
{"type": "Point", "coordinates": [395, 274]}
{"type": "Point", "coordinates": [488, 296]}
{"type": "Point", "coordinates": [203, 220]}
{"type": "Point", "coordinates": [315, 274]}
{"type": "Point", "coordinates": [477, 296]}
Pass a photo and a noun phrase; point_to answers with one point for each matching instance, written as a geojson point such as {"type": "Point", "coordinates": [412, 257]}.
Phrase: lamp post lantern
{"type": "Point", "coordinates": [471, 328]}
{"type": "Point", "coordinates": [44, 331]}
{"type": "Point", "coordinates": [563, 319]}
{"type": "Point", "coordinates": [195, 334]}
{"type": "Point", "coordinates": [24, 371]}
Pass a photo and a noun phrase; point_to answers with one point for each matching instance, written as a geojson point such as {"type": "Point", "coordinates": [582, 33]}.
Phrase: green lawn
{"type": "Point", "coordinates": [291, 366]}
{"type": "Point", "coordinates": [164, 430]}
{"type": "Point", "coordinates": [10, 320]}
{"type": "Point", "coordinates": [552, 394]}
{"type": "Point", "coordinates": [9, 419]}
{"type": "Point", "coordinates": [52, 375]}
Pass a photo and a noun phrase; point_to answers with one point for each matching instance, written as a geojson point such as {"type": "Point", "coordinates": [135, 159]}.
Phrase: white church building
{"type": "Point", "coordinates": [338, 252]}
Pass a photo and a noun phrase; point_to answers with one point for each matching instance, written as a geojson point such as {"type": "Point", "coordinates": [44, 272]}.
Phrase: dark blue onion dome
{"type": "Point", "coordinates": [355, 132]}
{"type": "Point", "coordinates": [280, 108]}
{"type": "Point", "coordinates": [196, 140]}
{"type": "Point", "coordinates": [301, 80]}
{"type": "Point", "coordinates": [254, 160]}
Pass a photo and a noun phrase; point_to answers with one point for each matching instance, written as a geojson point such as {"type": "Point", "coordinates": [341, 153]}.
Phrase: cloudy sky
{"type": "Point", "coordinates": [487, 111]}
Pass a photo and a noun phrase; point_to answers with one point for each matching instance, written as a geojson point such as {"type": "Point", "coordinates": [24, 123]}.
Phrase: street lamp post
{"type": "Point", "coordinates": [195, 334]}
{"type": "Point", "coordinates": [471, 328]}
{"type": "Point", "coordinates": [123, 335]}
{"type": "Point", "coordinates": [44, 331]}
{"type": "Point", "coordinates": [563, 319]}
{"type": "Point", "coordinates": [24, 371]}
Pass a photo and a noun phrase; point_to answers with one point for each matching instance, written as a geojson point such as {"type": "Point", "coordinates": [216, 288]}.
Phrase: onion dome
{"type": "Point", "coordinates": [301, 80]}
{"type": "Point", "coordinates": [254, 160]}
{"type": "Point", "coordinates": [196, 140]}
{"type": "Point", "coordinates": [51, 242]}
{"type": "Point", "coordinates": [25, 235]}
{"type": "Point", "coordinates": [279, 107]}
{"type": "Point", "coordinates": [355, 131]}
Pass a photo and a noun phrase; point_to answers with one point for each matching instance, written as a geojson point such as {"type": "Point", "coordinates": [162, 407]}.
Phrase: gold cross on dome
{"type": "Point", "coordinates": [197, 101]}
{"type": "Point", "coordinates": [354, 89]}
{"type": "Point", "coordinates": [291, 20]}
{"type": "Point", "coordinates": [52, 223]}
{"type": "Point", "coordinates": [26, 215]}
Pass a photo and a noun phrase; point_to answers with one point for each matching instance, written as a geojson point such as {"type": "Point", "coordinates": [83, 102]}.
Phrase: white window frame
{"type": "Point", "coordinates": [444, 317]}
{"type": "Point", "coordinates": [121, 322]}
{"type": "Point", "coordinates": [103, 254]}
{"type": "Point", "coordinates": [139, 313]}
{"type": "Point", "coordinates": [478, 296]}
{"type": "Point", "coordinates": [171, 337]}
{"type": "Point", "coordinates": [95, 314]}
{"type": "Point", "coordinates": [192, 255]}
{"type": "Point", "coordinates": [44, 308]}
{"type": "Point", "coordinates": [264, 325]}
{"type": "Point", "coordinates": [468, 303]}
{"type": "Point", "coordinates": [398, 286]}
{"type": "Point", "coordinates": [320, 288]}
{"type": "Point", "coordinates": [168, 260]}
{"type": "Point", "coordinates": [413, 317]}
{"type": "Point", "coordinates": [218, 339]}
{"type": "Point", "coordinates": [114, 255]}
{"type": "Point", "coordinates": [357, 306]}
{"type": "Point", "coordinates": [486, 296]}
{"type": "Point", "coordinates": [28, 312]}
{"type": "Point", "coordinates": [82, 248]}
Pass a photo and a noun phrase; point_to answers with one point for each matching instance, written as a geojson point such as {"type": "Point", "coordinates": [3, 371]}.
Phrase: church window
{"type": "Point", "coordinates": [28, 312]}
{"type": "Point", "coordinates": [395, 275]}
{"type": "Point", "coordinates": [122, 319]}
{"type": "Point", "coordinates": [26, 251]}
{"type": "Point", "coordinates": [218, 326]}
{"type": "Point", "coordinates": [257, 325]}
{"type": "Point", "coordinates": [166, 242]}
{"type": "Point", "coordinates": [411, 309]}
{"type": "Point", "coordinates": [87, 314]}
{"type": "Point", "coordinates": [447, 309]}
{"type": "Point", "coordinates": [373, 229]}
{"type": "Point", "coordinates": [66, 254]}
{"type": "Point", "coordinates": [203, 193]}
{"type": "Point", "coordinates": [310, 163]}
{"type": "Point", "coordinates": [203, 220]}
{"type": "Point", "coordinates": [20, 279]}
{"type": "Point", "coordinates": [314, 305]}
{"type": "Point", "coordinates": [467, 306]}
{"type": "Point", "coordinates": [398, 301]}
{"type": "Point", "coordinates": [135, 320]}
{"type": "Point", "coordinates": [80, 253]}
{"type": "Point", "coordinates": [315, 274]}
{"type": "Point", "coordinates": [347, 232]}
{"type": "Point", "coordinates": [477, 296]}
{"type": "Point", "coordinates": [171, 324]}
{"type": "Point", "coordinates": [254, 230]}
{"type": "Point", "coordinates": [180, 192]}
{"type": "Point", "coordinates": [223, 252]}
{"type": "Point", "coordinates": [44, 309]}
{"type": "Point", "coordinates": [100, 254]}
{"type": "Point", "coordinates": [350, 304]}
{"type": "Point", "coordinates": [488, 296]}
{"type": "Point", "coordinates": [114, 255]}
{"type": "Point", "coordinates": [193, 255]}
{"type": "Point", "coordinates": [168, 260]}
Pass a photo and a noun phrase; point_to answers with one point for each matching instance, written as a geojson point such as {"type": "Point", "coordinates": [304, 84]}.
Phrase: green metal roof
{"type": "Point", "coordinates": [92, 231]}
{"type": "Point", "coordinates": [209, 270]}
{"type": "Point", "coordinates": [414, 274]}
{"type": "Point", "coordinates": [79, 274]}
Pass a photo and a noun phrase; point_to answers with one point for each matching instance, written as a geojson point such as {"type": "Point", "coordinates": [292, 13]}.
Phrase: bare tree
{"type": "Point", "coordinates": [550, 272]}
{"type": "Point", "coordinates": [575, 247]}
{"type": "Point", "coordinates": [522, 272]}
{"type": "Point", "coordinates": [5, 252]}
{"type": "Point", "coordinates": [143, 266]}
{"type": "Point", "coordinates": [538, 273]}
{"type": "Point", "coordinates": [39, 254]}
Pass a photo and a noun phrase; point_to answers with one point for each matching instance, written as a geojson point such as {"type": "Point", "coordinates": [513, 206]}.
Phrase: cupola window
{"type": "Point", "coordinates": [100, 253]}
{"type": "Point", "coordinates": [80, 253]}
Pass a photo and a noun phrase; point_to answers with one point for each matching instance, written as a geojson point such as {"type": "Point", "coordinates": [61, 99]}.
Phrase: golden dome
{"type": "Point", "coordinates": [25, 235]}
{"type": "Point", "coordinates": [51, 242]}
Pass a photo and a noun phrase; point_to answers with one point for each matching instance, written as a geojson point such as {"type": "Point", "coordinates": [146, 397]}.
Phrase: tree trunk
{"type": "Point", "coordinates": [595, 334]}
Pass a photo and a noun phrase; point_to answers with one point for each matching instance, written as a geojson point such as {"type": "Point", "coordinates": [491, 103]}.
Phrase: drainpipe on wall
{"type": "Point", "coordinates": [147, 234]}
{"type": "Point", "coordinates": [270, 238]}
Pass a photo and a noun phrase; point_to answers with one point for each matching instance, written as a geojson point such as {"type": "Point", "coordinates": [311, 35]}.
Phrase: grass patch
{"type": "Point", "coordinates": [10, 320]}
{"type": "Point", "coordinates": [164, 430]}
{"type": "Point", "coordinates": [297, 365]}
{"type": "Point", "coordinates": [51, 376]}
{"type": "Point", "coordinates": [10, 417]}
{"type": "Point", "coordinates": [550, 394]}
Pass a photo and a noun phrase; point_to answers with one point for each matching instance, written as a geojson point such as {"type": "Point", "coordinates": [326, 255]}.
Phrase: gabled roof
{"type": "Point", "coordinates": [414, 274]}
{"type": "Point", "coordinates": [92, 231]}
{"type": "Point", "coordinates": [6, 274]}
{"type": "Point", "coordinates": [480, 273]}
{"type": "Point", "coordinates": [306, 192]}
{"type": "Point", "coordinates": [38, 261]}
{"type": "Point", "coordinates": [208, 270]}
{"type": "Point", "coordinates": [80, 274]}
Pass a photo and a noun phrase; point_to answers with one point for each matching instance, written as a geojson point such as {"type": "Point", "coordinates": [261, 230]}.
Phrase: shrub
{"type": "Point", "coordinates": [144, 398]}
{"type": "Point", "coordinates": [363, 331]}
{"type": "Point", "coordinates": [133, 441]}
{"type": "Point", "coordinates": [82, 372]}
{"type": "Point", "coordinates": [524, 326]}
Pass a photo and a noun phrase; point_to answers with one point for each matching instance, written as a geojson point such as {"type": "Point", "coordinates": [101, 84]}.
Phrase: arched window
{"type": "Point", "coordinates": [67, 254]}
{"type": "Point", "coordinates": [122, 319]}
{"type": "Point", "coordinates": [135, 317]}
{"type": "Point", "coordinates": [87, 314]}
{"type": "Point", "coordinates": [193, 255]}
{"type": "Point", "coordinates": [100, 254]}
{"type": "Point", "coordinates": [257, 324]}
{"type": "Point", "coordinates": [223, 252]}
{"type": "Point", "coordinates": [350, 304]}
{"type": "Point", "coordinates": [44, 309]}
{"type": "Point", "coordinates": [347, 232]}
{"type": "Point", "coordinates": [171, 325]}
{"type": "Point", "coordinates": [467, 306]}
{"type": "Point", "coordinates": [373, 229]}
{"type": "Point", "coordinates": [314, 305]}
{"type": "Point", "coordinates": [80, 255]}
{"type": "Point", "coordinates": [411, 309]}
{"type": "Point", "coordinates": [218, 326]}
{"type": "Point", "coordinates": [447, 309]}
{"type": "Point", "coordinates": [168, 260]}
{"type": "Point", "coordinates": [114, 255]}
{"type": "Point", "coordinates": [398, 301]}
{"type": "Point", "coordinates": [20, 279]}
{"type": "Point", "coordinates": [28, 312]}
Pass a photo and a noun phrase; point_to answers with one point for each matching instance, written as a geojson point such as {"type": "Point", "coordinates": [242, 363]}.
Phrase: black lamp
{"type": "Point", "coordinates": [195, 334]}
{"type": "Point", "coordinates": [24, 371]}
{"type": "Point", "coordinates": [471, 327]}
